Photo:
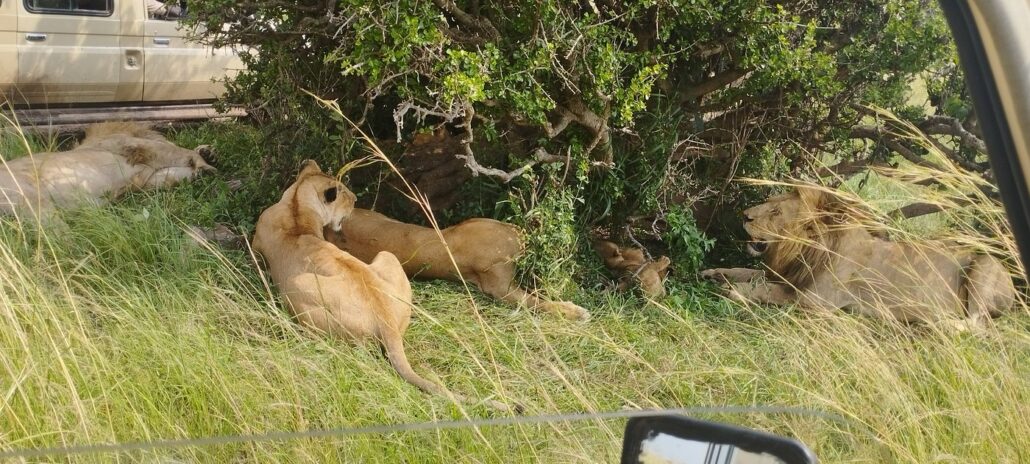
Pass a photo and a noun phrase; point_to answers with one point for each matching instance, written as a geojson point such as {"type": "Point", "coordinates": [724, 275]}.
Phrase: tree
{"type": "Point", "coordinates": [646, 106]}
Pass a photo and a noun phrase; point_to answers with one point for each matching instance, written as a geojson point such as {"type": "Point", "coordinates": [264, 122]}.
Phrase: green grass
{"type": "Point", "coordinates": [114, 327]}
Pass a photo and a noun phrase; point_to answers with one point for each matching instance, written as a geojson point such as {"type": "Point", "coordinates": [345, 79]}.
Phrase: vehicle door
{"type": "Point", "coordinates": [70, 51]}
{"type": "Point", "coordinates": [8, 48]}
{"type": "Point", "coordinates": [178, 69]}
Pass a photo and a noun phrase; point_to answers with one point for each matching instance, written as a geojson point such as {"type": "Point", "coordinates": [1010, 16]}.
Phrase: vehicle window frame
{"type": "Point", "coordinates": [63, 12]}
{"type": "Point", "coordinates": [984, 92]}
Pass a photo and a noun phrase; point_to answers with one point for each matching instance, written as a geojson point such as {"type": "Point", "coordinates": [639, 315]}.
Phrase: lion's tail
{"type": "Point", "coordinates": [394, 345]}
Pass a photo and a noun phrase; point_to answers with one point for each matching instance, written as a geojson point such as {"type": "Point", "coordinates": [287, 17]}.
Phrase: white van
{"type": "Point", "coordinates": [64, 52]}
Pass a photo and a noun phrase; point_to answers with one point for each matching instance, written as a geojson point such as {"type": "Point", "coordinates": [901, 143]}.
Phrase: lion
{"type": "Point", "coordinates": [630, 264]}
{"type": "Point", "coordinates": [112, 159]}
{"type": "Point", "coordinates": [328, 289]}
{"type": "Point", "coordinates": [484, 250]}
{"type": "Point", "coordinates": [822, 256]}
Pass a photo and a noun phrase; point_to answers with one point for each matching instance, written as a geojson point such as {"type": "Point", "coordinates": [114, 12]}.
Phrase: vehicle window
{"type": "Point", "coordinates": [71, 7]}
{"type": "Point", "coordinates": [166, 9]}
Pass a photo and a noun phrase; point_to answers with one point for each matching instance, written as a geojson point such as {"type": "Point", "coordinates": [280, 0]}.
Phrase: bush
{"type": "Point", "coordinates": [664, 102]}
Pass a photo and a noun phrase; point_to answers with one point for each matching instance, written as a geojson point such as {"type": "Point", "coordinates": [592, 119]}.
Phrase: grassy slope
{"type": "Point", "coordinates": [116, 328]}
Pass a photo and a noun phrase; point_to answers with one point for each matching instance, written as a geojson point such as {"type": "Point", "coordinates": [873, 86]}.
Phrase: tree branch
{"type": "Point", "coordinates": [878, 134]}
{"type": "Point", "coordinates": [958, 159]}
{"type": "Point", "coordinates": [479, 25]}
{"type": "Point", "coordinates": [713, 83]}
{"type": "Point", "coordinates": [707, 51]}
{"type": "Point", "coordinates": [553, 129]}
{"type": "Point", "coordinates": [944, 125]}
{"type": "Point", "coordinates": [596, 124]}
{"type": "Point", "coordinates": [540, 156]}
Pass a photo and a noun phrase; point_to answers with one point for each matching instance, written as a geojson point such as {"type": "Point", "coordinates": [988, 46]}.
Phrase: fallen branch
{"type": "Point", "coordinates": [922, 208]}
{"type": "Point", "coordinates": [849, 168]}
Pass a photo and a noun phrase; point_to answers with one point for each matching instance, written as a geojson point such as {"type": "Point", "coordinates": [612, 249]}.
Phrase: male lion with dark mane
{"type": "Point", "coordinates": [113, 158]}
{"type": "Point", "coordinates": [821, 256]}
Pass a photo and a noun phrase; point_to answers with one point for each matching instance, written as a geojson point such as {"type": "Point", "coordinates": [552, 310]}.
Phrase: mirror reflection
{"type": "Point", "coordinates": [661, 448]}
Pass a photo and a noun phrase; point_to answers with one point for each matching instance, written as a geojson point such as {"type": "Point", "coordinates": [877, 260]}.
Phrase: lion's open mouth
{"type": "Point", "coordinates": [757, 247]}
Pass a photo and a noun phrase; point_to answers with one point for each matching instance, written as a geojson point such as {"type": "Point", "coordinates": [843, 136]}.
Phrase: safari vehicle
{"type": "Point", "coordinates": [102, 56]}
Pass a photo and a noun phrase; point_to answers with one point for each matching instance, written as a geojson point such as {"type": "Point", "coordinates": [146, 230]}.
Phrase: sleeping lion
{"type": "Point", "coordinates": [630, 265]}
{"type": "Point", "coordinates": [484, 250]}
{"type": "Point", "coordinates": [114, 158]}
{"type": "Point", "coordinates": [328, 289]}
{"type": "Point", "coordinates": [820, 256]}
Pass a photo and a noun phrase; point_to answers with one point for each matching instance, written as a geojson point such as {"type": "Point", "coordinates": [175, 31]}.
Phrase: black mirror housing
{"type": "Point", "coordinates": [678, 439]}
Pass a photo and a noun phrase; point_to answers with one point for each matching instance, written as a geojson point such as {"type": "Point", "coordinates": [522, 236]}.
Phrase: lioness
{"type": "Point", "coordinates": [327, 288]}
{"type": "Point", "coordinates": [631, 265]}
{"type": "Point", "coordinates": [112, 159]}
{"type": "Point", "coordinates": [821, 256]}
{"type": "Point", "coordinates": [484, 250]}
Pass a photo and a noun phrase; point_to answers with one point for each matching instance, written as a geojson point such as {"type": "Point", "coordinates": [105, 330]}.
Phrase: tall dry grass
{"type": "Point", "coordinates": [114, 327]}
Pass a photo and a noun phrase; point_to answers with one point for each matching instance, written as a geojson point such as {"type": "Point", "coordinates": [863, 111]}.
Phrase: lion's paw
{"type": "Point", "coordinates": [970, 327]}
{"type": "Point", "coordinates": [732, 293]}
{"type": "Point", "coordinates": [714, 274]}
{"type": "Point", "coordinates": [737, 274]}
{"type": "Point", "coordinates": [206, 152]}
{"type": "Point", "coordinates": [571, 311]}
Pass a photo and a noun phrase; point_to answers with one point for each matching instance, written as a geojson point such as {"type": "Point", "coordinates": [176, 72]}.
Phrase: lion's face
{"type": "Point", "coordinates": [769, 221]}
{"type": "Point", "coordinates": [173, 164]}
{"type": "Point", "coordinates": [325, 195]}
{"type": "Point", "coordinates": [160, 163]}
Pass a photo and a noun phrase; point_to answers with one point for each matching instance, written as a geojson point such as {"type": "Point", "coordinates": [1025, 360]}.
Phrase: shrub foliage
{"type": "Point", "coordinates": [646, 107]}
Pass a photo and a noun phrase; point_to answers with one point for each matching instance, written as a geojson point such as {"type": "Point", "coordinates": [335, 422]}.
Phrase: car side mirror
{"type": "Point", "coordinates": [681, 440]}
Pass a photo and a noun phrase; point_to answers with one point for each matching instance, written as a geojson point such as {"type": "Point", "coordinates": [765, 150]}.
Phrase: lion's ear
{"type": "Point", "coordinates": [605, 248]}
{"type": "Point", "coordinates": [309, 167]}
{"type": "Point", "coordinates": [662, 265]}
{"type": "Point", "coordinates": [330, 194]}
{"type": "Point", "coordinates": [827, 205]}
{"type": "Point", "coordinates": [812, 197]}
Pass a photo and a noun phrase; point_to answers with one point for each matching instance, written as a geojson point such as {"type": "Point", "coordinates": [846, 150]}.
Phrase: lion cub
{"type": "Point", "coordinates": [328, 289]}
{"type": "Point", "coordinates": [630, 264]}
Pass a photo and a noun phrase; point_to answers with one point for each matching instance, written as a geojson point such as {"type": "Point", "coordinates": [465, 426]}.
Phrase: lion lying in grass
{"type": "Point", "coordinates": [328, 289]}
{"type": "Point", "coordinates": [821, 256]}
{"type": "Point", "coordinates": [631, 265]}
{"type": "Point", "coordinates": [484, 250]}
{"type": "Point", "coordinates": [112, 159]}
